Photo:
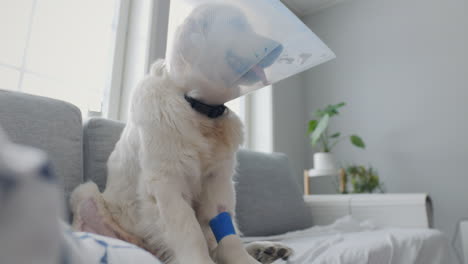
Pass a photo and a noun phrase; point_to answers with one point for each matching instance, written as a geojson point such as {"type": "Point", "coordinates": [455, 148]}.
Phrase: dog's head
{"type": "Point", "coordinates": [215, 51]}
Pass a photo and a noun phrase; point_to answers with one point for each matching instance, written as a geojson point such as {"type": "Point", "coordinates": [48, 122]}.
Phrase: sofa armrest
{"type": "Point", "coordinates": [385, 210]}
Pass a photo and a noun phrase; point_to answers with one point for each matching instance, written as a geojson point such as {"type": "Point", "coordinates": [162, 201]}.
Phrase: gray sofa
{"type": "Point", "coordinates": [269, 200]}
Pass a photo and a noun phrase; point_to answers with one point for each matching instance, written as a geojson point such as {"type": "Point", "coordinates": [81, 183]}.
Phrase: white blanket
{"type": "Point", "coordinates": [350, 242]}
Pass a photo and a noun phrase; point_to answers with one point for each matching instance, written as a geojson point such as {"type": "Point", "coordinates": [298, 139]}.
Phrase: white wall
{"type": "Point", "coordinates": [290, 124]}
{"type": "Point", "coordinates": [402, 67]}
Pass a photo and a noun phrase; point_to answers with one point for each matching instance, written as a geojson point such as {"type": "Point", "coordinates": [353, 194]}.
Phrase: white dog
{"type": "Point", "coordinates": [171, 171]}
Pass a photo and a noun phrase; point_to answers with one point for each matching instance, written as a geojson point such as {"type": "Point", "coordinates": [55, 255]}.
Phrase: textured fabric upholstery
{"type": "Point", "coordinates": [100, 137]}
{"type": "Point", "coordinates": [269, 200]}
{"type": "Point", "coordinates": [50, 125]}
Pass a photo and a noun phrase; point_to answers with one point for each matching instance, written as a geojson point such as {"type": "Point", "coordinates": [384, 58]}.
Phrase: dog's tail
{"type": "Point", "coordinates": [82, 193]}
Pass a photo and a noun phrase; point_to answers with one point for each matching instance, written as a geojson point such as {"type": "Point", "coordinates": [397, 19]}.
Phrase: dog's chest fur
{"type": "Point", "coordinates": [223, 137]}
{"type": "Point", "coordinates": [178, 144]}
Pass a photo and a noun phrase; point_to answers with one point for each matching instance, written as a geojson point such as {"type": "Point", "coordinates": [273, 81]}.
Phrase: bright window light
{"type": "Point", "coordinates": [9, 78]}
{"type": "Point", "coordinates": [236, 106]}
{"type": "Point", "coordinates": [58, 48]}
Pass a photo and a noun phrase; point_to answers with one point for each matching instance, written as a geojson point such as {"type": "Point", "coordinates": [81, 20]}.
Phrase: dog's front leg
{"type": "Point", "coordinates": [218, 197]}
{"type": "Point", "coordinates": [182, 232]}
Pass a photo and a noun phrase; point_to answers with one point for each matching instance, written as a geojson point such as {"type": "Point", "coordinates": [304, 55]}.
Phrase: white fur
{"type": "Point", "coordinates": [171, 172]}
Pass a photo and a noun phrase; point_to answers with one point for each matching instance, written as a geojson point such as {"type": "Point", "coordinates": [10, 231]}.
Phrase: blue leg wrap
{"type": "Point", "coordinates": [222, 226]}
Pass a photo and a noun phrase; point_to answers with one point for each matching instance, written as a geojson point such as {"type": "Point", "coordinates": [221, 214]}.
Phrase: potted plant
{"type": "Point", "coordinates": [362, 180]}
{"type": "Point", "coordinates": [321, 137]}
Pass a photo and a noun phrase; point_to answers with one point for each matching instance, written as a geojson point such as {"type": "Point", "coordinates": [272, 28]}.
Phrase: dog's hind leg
{"type": "Point", "coordinates": [90, 214]}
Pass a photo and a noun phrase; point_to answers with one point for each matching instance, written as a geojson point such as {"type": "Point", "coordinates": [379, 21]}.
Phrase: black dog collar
{"type": "Point", "coordinates": [211, 111]}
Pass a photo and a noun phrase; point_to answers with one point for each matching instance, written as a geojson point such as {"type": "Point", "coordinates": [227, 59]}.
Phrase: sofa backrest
{"type": "Point", "coordinates": [99, 138]}
{"type": "Point", "coordinates": [47, 124]}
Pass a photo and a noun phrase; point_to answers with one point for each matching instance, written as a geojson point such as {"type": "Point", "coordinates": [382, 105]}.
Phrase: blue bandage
{"type": "Point", "coordinates": [222, 226]}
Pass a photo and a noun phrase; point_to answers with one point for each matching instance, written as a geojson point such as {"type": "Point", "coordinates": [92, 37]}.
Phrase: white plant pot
{"type": "Point", "coordinates": [325, 161]}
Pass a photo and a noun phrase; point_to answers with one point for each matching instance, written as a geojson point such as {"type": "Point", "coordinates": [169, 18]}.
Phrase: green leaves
{"type": "Point", "coordinates": [312, 126]}
{"type": "Point", "coordinates": [364, 180]}
{"type": "Point", "coordinates": [330, 110]}
{"type": "Point", "coordinates": [357, 141]}
{"type": "Point", "coordinates": [320, 128]}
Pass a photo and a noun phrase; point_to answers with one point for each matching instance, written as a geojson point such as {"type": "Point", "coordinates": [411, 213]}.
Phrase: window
{"type": "Point", "coordinates": [238, 106]}
{"type": "Point", "coordinates": [58, 48]}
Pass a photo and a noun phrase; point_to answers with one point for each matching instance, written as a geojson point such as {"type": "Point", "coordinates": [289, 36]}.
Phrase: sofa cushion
{"type": "Point", "coordinates": [269, 200]}
{"type": "Point", "coordinates": [99, 136]}
{"type": "Point", "coordinates": [47, 124]}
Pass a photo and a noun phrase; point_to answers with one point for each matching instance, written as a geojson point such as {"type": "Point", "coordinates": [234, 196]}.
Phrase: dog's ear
{"type": "Point", "coordinates": [190, 41]}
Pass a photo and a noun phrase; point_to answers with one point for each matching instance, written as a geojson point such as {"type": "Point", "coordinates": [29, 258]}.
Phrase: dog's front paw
{"type": "Point", "coordinates": [268, 252]}
{"type": "Point", "coordinates": [230, 250]}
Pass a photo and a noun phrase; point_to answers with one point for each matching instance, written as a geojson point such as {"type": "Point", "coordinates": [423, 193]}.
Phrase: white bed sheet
{"type": "Point", "coordinates": [351, 242]}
